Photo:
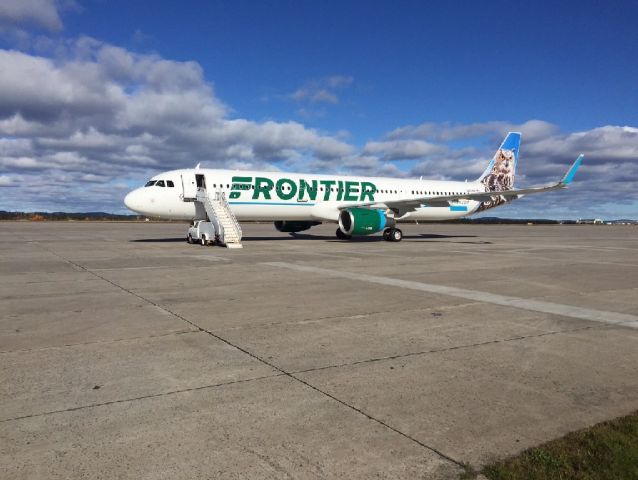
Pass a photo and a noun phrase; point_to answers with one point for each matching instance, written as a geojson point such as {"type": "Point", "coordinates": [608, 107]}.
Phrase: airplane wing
{"type": "Point", "coordinates": [403, 206]}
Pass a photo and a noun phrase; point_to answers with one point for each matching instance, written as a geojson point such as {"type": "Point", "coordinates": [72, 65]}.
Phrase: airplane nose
{"type": "Point", "coordinates": [133, 200]}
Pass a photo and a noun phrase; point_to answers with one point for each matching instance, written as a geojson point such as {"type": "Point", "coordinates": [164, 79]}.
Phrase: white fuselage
{"type": "Point", "coordinates": [270, 196]}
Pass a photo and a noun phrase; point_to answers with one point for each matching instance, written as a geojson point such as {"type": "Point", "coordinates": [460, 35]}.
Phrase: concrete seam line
{"type": "Point", "coordinates": [143, 397]}
{"type": "Point", "coordinates": [256, 357]}
{"type": "Point", "coordinates": [485, 297]}
{"type": "Point", "coordinates": [449, 349]}
{"type": "Point", "coordinates": [99, 342]}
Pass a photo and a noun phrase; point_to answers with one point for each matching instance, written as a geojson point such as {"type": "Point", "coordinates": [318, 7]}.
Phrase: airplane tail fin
{"type": "Point", "coordinates": [499, 174]}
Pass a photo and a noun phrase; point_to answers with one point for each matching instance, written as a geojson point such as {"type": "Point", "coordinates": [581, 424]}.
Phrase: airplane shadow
{"type": "Point", "coordinates": [159, 240]}
{"type": "Point", "coordinates": [423, 237]}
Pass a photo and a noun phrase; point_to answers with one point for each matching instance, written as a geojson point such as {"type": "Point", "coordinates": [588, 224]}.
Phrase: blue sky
{"type": "Point", "coordinates": [379, 88]}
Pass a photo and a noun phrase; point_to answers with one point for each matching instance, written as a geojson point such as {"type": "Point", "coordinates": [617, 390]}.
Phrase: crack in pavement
{"type": "Point", "coordinates": [98, 342]}
{"type": "Point", "coordinates": [281, 371]}
{"type": "Point", "coordinates": [455, 347]}
{"type": "Point", "coordinates": [143, 397]}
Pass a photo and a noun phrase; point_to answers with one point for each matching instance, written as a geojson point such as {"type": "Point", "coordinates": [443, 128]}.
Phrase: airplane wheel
{"type": "Point", "coordinates": [342, 236]}
{"type": "Point", "coordinates": [189, 239]}
{"type": "Point", "coordinates": [203, 241]}
{"type": "Point", "coordinates": [396, 235]}
{"type": "Point", "coordinates": [386, 234]}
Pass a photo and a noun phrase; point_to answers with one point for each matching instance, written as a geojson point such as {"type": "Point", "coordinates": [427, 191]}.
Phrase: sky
{"type": "Point", "coordinates": [96, 96]}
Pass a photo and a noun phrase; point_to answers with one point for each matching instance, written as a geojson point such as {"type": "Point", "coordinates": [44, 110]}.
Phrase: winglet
{"type": "Point", "coordinates": [569, 176]}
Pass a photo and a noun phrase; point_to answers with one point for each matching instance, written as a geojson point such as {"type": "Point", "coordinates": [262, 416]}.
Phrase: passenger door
{"type": "Point", "coordinates": [189, 187]}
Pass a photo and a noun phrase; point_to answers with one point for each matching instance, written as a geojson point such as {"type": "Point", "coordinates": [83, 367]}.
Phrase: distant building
{"type": "Point", "coordinates": [590, 221]}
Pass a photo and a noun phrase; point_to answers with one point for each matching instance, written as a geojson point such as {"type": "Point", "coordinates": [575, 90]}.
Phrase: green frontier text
{"type": "Point", "coordinates": [264, 188]}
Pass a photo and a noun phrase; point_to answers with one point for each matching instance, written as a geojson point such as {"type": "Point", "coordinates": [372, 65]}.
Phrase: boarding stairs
{"type": "Point", "coordinates": [220, 214]}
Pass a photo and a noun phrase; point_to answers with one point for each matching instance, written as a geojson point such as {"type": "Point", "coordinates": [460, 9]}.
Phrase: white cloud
{"type": "Point", "coordinates": [402, 149]}
{"type": "Point", "coordinates": [321, 90]}
{"type": "Point", "coordinates": [5, 181]}
{"type": "Point", "coordinates": [95, 112]}
{"type": "Point", "coordinates": [446, 132]}
{"type": "Point", "coordinates": [43, 13]}
{"type": "Point", "coordinates": [79, 124]}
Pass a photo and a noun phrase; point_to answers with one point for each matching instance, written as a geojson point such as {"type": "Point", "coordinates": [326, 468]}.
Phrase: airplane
{"type": "Point", "coordinates": [359, 205]}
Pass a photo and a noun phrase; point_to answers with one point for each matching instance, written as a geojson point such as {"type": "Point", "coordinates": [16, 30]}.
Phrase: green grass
{"type": "Point", "coordinates": [607, 451]}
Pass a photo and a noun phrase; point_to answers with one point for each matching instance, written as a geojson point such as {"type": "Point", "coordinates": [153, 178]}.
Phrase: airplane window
{"type": "Point", "coordinates": [214, 185]}
{"type": "Point", "coordinates": [227, 186]}
{"type": "Point", "coordinates": [150, 183]}
{"type": "Point", "coordinates": [169, 183]}
{"type": "Point", "coordinates": [160, 183]}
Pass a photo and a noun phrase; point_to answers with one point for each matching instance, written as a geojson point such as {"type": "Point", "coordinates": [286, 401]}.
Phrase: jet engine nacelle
{"type": "Point", "coordinates": [363, 221]}
{"type": "Point", "coordinates": [293, 226]}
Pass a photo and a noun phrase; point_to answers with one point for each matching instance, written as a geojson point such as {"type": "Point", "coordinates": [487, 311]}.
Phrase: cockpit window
{"type": "Point", "coordinates": [159, 183]}
{"type": "Point", "coordinates": [150, 183]}
{"type": "Point", "coordinates": [169, 183]}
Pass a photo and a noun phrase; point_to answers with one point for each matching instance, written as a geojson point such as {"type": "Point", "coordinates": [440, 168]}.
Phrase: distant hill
{"type": "Point", "coordinates": [105, 217]}
{"type": "Point", "coordinates": [90, 216]}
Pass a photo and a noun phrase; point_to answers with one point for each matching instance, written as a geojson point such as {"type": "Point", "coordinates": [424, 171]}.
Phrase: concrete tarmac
{"type": "Point", "coordinates": [127, 353]}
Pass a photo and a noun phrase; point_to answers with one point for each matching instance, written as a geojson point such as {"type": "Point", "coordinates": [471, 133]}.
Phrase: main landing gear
{"type": "Point", "coordinates": [389, 234]}
{"type": "Point", "coordinates": [392, 234]}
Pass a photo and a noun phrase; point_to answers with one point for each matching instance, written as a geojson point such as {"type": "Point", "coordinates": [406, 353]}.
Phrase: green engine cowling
{"type": "Point", "coordinates": [363, 221]}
